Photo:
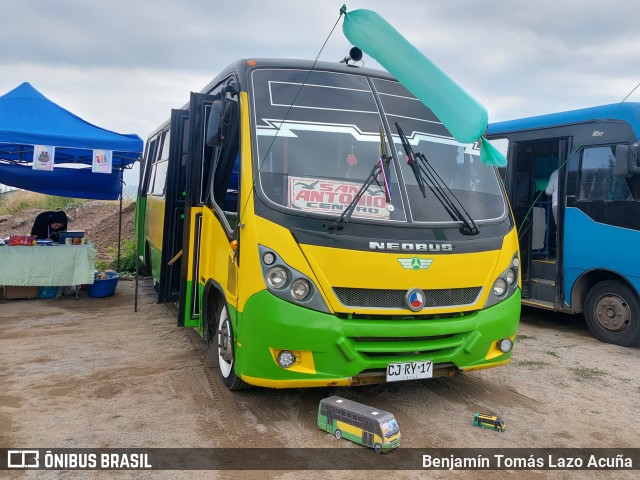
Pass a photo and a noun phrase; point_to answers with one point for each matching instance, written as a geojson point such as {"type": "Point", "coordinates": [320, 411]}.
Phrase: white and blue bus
{"type": "Point", "coordinates": [587, 260]}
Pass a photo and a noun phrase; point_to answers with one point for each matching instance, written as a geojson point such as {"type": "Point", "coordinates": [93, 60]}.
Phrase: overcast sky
{"type": "Point", "coordinates": [123, 64]}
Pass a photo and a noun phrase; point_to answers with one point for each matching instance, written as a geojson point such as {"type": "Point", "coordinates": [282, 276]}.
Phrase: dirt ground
{"type": "Point", "coordinates": [92, 373]}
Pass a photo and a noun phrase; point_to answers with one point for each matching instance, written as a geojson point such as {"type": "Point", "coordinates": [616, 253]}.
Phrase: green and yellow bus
{"type": "Point", "coordinates": [492, 422]}
{"type": "Point", "coordinates": [359, 423]}
{"type": "Point", "coordinates": [279, 211]}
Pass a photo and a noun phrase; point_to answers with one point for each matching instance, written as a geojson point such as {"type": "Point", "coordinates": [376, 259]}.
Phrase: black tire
{"type": "Point", "coordinates": [612, 311]}
{"type": "Point", "coordinates": [220, 349]}
{"type": "Point", "coordinates": [377, 448]}
{"type": "Point", "coordinates": [338, 433]}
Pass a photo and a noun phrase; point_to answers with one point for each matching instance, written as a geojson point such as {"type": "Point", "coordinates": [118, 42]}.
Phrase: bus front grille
{"type": "Point", "coordinates": [395, 299]}
{"type": "Point", "coordinates": [379, 347]}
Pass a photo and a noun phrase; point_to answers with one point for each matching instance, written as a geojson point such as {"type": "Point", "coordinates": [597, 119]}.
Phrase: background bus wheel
{"type": "Point", "coordinates": [612, 312]}
{"type": "Point", "coordinates": [338, 433]}
{"type": "Point", "coordinates": [377, 448]}
{"type": "Point", "coordinates": [225, 344]}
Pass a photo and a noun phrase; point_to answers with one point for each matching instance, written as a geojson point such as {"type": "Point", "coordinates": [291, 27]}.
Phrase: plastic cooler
{"type": "Point", "coordinates": [104, 287]}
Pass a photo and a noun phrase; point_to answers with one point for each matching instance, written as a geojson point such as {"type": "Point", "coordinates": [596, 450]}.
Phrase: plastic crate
{"type": "Point", "coordinates": [49, 292]}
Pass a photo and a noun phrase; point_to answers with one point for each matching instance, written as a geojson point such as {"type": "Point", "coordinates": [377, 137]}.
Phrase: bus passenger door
{"type": "Point", "coordinates": [519, 190]}
{"type": "Point", "coordinates": [368, 427]}
{"type": "Point", "coordinates": [533, 164]}
{"type": "Point", "coordinates": [141, 205]}
{"type": "Point", "coordinates": [175, 192]}
{"type": "Point", "coordinates": [198, 160]}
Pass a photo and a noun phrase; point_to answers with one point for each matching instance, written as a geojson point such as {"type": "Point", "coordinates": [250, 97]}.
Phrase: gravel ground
{"type": "Point", "coordinates": [92, 373]}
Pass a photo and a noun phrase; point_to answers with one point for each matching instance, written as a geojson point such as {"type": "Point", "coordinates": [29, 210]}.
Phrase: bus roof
{"type": "Point", "coordinates": [364, 410]}
{"type": "Point", "coordinates": [242, 65]}
{"type": "Point", "coordinates": [627, 112]}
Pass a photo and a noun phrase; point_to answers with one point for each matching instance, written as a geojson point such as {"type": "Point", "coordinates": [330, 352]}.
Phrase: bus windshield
{"type": "Point", "coordinates": [318, 139]}
{"type": "Point", "coordinates": [389, 426]}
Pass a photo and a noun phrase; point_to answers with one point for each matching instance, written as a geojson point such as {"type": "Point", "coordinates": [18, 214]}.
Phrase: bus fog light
{"type": "Point", "coordinates": [277, 277]}
{"type": "Point", "coordinates": [300, 289]}
{"type": "Point", "coordinates": [286, 358]}
{"type": "Point", "coordinates": [505, 345]}
{"type": "Point", "coordinates": [499, 287]}
{"type": "Point", "coordinates": [511, 276]}
{"type": "Point", "coordinates": [268, 258]}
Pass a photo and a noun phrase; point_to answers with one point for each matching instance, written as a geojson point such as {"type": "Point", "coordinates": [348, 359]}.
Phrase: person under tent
{"type": "Point", "coordinates": [48, 225]}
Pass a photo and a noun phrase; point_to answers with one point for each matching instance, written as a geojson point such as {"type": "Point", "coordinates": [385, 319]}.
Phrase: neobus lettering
{"type": "Point", "coordinates": [411, 247]}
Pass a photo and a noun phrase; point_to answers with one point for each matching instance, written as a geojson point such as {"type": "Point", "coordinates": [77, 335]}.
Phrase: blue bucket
{"type": "Point", "coordinates": [103, 287]}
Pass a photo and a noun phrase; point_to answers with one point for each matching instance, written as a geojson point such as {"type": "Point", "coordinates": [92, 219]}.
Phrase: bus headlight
{"type": "Point", "coordinates": [499, 287]}
{"type": "Point", "coordinates": [287, 283]}
{"type": "Point", "coordinates": [268, 258]}
{"type": "Point", "coordinates": [286, 358]}
{"type": "Point", "coordinates": [505, 345]}
{"type": "Point", "coordinates": [506, 284]}
{"type": "Point", "coordinates": [277, 277]}
{"type": "Point", "coordinates": [300, 289]}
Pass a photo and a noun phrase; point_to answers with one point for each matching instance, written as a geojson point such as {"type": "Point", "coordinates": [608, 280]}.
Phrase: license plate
{"type": "Point", "coordinates": [409, 371]}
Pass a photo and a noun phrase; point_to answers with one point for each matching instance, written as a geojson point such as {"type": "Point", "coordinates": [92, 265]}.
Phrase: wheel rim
{"type": "Point", "coordinates": [612, 313]}
{"type": "Point", "coordinates": [225, 346]}
{"type": "Point", "coordinates": [338, 434]}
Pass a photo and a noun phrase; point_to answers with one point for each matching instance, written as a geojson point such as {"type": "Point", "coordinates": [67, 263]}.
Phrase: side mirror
{"type": "Point", "coordinates": [621, 168]}
{"type": "Point", "coordinates": [215, 137]}
{"type": "Point", "coordinates": [220, 116]}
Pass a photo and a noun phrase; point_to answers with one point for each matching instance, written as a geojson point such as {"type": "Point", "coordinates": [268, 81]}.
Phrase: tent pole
{"type": "Point", "coordinates": [137, 240]}
{"type": "Point", "coordinates": [120, 217]}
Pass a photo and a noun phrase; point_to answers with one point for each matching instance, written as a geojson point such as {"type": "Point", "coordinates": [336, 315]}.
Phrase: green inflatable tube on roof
{"type": "Point", "coordinates": [464, 116]}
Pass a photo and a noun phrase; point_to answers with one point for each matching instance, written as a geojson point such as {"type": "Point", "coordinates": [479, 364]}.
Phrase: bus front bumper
{"type": "Point", "coordinates": [335, 351]}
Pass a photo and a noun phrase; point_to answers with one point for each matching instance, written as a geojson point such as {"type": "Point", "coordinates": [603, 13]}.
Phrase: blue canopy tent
{"type": "Point", "coordinates": [28, 118]}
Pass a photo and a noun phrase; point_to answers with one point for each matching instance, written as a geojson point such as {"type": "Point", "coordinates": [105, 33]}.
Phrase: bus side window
{"type": "Point", "coordinates": [160, 179]}
{"type": "Point", "coordinates": [150, 166]}
{"type": "Point", "coordinates": [159, 155]}
{"type": "Point", "coordinates": [597, 181]}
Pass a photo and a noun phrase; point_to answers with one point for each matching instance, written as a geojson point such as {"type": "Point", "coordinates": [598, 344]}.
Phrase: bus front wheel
{"type": "Point", "coordinates": [377, 448]}
{"type": "Point", "coordinates": [338, 433]}
{"type": "Point", "coordinates": [225, 350]}
{"type": "Point", "coordinates": [612, 311]}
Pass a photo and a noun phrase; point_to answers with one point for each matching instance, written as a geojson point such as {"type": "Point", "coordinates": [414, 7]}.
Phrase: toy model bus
{"type": "Point", "coordinates": [359, 423]}
{"type": "Point", "coordinates": [483, 420]}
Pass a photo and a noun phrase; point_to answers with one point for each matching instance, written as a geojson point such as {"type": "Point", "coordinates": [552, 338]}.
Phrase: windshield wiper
{"type": "Point", "coordinates": [425, 173]}
{"type": "Point", "coordinates": [380, 168]}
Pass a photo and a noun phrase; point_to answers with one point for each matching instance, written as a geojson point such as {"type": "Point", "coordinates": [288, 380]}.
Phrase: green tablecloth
{"type": "Point", "coordinates": [44, 266]}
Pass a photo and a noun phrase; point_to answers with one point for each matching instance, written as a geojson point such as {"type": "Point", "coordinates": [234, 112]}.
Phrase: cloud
{"type": "Point", "coordinates": [124, 64]}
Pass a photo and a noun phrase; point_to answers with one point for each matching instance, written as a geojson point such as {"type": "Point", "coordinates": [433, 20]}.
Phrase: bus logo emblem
{"type": "Point", "coordinates": [415, 299]}
{"type": "Point", "coordinates": [415, 263]}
